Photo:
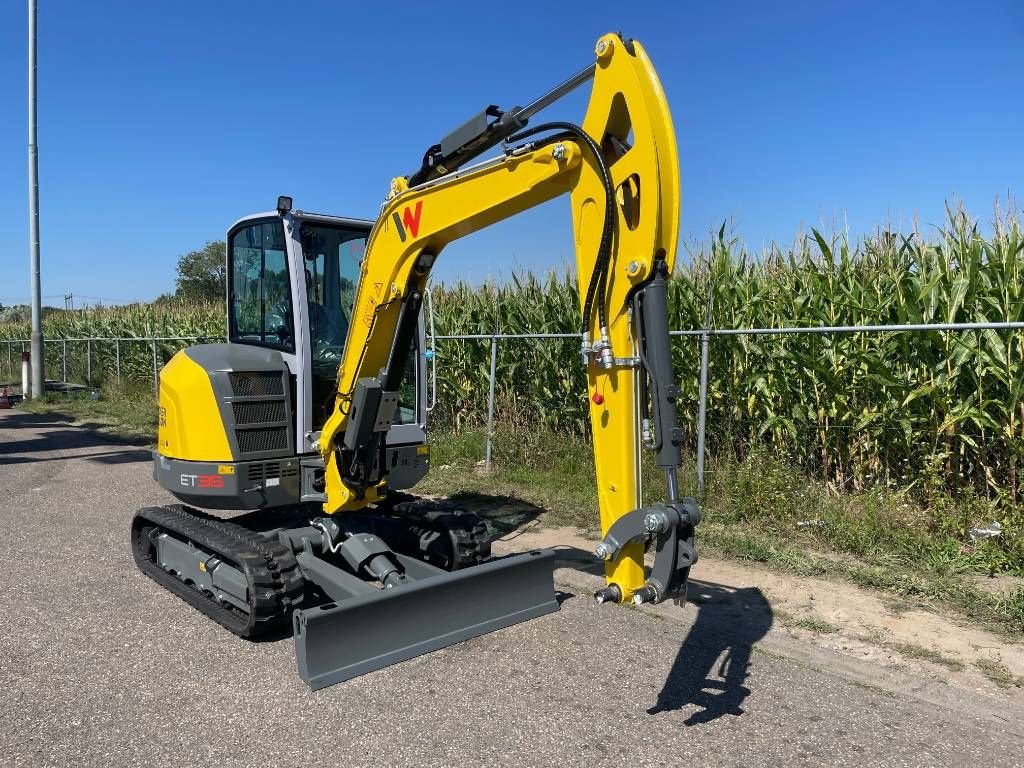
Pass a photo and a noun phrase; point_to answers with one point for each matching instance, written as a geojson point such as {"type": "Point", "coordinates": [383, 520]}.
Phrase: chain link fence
{"type": "Point", "coordinates": [92, 361]}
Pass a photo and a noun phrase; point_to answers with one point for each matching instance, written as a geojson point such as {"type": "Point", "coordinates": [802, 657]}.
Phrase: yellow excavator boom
{"type": "Point", "coordinates": [620, 168]}
{"type": "Point", "coordinates": [394, 576]}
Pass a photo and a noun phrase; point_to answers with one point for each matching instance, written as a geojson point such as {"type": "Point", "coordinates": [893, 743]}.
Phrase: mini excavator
{"type": "Point", "coordinates": [311, 419]}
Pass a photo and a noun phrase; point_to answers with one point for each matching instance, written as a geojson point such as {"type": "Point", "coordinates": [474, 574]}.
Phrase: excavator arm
{"type": "Point", "coordinates": [620, 169]}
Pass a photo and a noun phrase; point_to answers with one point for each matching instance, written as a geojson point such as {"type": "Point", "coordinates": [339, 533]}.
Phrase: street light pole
{"type": "Point", "coordinates": [33, 215]}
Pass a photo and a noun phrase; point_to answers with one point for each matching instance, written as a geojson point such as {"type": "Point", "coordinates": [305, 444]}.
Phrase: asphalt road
{"type": "Point", "coordinates": [100, 666]}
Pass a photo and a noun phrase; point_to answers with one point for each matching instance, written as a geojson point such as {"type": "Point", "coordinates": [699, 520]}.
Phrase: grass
{"type": "Point", "coordinates": [915, 651]}
{"type": "Point", "coordinates": [810, 623]}
{"type": "Point", "coordinates": [998, 673]}
{"type": "Point", "coordinates": [752, 511]}
{"type": "Point", "coordinates": [557, 475]}
{"type": "Point", "coordinates": [1000, 612]}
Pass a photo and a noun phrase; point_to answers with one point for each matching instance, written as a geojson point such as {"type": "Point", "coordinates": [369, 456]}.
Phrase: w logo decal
{"type": "Point", "coordinates": [409, 221]}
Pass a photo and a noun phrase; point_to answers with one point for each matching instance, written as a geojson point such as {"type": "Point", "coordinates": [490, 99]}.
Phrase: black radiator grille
{"type": "Point", "coordinates": [259, 412]}
{"type": "Point", "coordinates": [256, 384]}
{"type": "Point", "coordinates": [262, 439]}
{"type": "Point", "coordinates": [267, 470]}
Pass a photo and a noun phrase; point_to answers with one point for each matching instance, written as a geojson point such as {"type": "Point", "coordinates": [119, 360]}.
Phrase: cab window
{"type": "Point", "coordinates": [332, 256]}
{"type": "Point", "coordinates": [260, 289]}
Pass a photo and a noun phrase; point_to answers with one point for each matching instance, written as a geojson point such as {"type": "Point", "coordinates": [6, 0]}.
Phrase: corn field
{"type": "Point", "coordinates": [134, 321]}
{"type": "Point", "coordinates": [854, 410]}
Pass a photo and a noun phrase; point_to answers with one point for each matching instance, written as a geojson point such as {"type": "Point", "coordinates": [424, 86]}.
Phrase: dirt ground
{"type": "Point", "coordinates": [835, 614]}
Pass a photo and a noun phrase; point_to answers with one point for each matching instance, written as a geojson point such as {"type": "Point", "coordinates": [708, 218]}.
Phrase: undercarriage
{"type": "Point", "coordinates": [359, 593]}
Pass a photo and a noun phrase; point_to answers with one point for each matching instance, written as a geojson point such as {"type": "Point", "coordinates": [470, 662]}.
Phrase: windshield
{"type": "Point", "coordinates": [332, 257]}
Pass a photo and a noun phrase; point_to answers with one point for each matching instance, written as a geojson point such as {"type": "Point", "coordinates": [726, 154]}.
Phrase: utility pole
{"type": "Point", "coordinates": [38, 383]}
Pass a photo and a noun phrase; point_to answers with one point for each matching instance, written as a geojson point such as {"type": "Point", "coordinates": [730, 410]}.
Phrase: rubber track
{"type": "Point", "coordinates": [467, 532]}
{"type": "Point", "coordinates": [275, 584]}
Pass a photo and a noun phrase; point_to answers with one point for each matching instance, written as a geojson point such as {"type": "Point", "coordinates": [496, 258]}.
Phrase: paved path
{"type": "Point", "coordinates": [99, 666]}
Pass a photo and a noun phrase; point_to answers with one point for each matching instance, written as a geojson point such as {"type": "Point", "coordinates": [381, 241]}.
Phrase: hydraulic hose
{"type": "Point", "coordinates": [599, 275]}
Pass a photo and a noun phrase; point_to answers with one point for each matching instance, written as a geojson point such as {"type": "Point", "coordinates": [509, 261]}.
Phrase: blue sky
{"type": "Point", "coordinates": [162, 123]}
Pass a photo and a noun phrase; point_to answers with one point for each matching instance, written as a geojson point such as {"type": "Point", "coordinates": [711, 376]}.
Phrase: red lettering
{"type": "Point", "coordinates": [412, 220]}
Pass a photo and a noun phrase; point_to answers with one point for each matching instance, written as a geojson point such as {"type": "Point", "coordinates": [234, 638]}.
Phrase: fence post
{"type": "Point", "coordinates": [88, 362]}
{"type": "Point", "coordinates": [156, 374]}
{"type": "Point", "coordinates": [64, 358]}
{"type": "Point", "coordinates": [10, 359]}
{"type": "Point", "coordinates": [490, 403]}
{"type": "Point", "coordinates": [117, 359]}
{"type": "Point", "coordinates": [702, 396]}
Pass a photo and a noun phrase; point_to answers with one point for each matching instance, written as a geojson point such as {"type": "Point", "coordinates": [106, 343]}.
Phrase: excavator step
{"type": "Point", "coordinates": [341, 640]}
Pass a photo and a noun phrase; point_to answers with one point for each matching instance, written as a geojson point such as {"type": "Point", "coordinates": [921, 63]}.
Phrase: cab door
{"type": "Point", "coordinates": [331, 251]}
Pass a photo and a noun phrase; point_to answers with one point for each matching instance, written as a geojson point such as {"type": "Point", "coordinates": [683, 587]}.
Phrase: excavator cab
{"type": "Point", "coordinates": [291, 282]}
{"type": "Point", "coordinates": [238, 436]}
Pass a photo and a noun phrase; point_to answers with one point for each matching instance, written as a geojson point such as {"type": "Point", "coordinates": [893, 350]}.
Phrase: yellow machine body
{"type": "Point", "coordinates": [190, 426]}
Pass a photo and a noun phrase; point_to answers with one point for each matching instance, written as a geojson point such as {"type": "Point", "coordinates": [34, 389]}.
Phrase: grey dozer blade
{"type": "Point", "coordinates": [341, 640]}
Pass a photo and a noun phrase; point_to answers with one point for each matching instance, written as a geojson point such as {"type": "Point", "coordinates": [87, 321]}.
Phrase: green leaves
{"type": "Point", "coordinates": [128, 322]}
{"type": "Point", "coordinates": [857, 410]}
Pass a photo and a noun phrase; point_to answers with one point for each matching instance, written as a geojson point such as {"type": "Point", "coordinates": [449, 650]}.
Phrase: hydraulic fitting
{"type": "Point", "coordinates": [609, 594]}
{"type": "Point", "coordinates": [585, 349]}
{"type": "Point", "coordinates": [647, 434]}
{"type": "Point", "coordinates": [603, 351]}
{"type": "Point", "coordinates": [646, 594]}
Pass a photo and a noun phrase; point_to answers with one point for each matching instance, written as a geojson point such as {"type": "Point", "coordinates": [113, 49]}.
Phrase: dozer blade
{"type": "Point", "coordinates": [339, 641]}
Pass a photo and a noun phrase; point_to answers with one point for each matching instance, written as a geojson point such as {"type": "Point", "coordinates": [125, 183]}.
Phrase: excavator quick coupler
{"type": "Point", "coordinates": [671, 526]}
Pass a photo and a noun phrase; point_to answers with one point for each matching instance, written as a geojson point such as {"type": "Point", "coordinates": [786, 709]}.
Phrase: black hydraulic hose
{"type": "Point", "coordinates": [599, 276]}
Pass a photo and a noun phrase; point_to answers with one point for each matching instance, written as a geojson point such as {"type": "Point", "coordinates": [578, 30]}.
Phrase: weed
{"type": "Point", "coordinates": [914, 651]}
{"type": "Point", "coordinates": [811, 623]}
{"type": "Point", "coordinates": [998, 673]}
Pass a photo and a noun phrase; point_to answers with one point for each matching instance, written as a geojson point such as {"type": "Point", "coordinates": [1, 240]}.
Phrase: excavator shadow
{"type": "Point", "coordinates": [504, 515]}
{"type": "Point", "coordinates": [711, 667]}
